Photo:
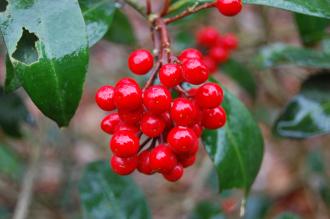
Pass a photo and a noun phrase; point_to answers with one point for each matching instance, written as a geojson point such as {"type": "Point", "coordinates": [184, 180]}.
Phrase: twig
{"type": "Point", "coordinates": [165, 40]}
{"type": "Point", "coordinates": [165, 7]}
{"type": "Point", "coordinates": [148, 6]}
{"type": "Point", "coordinates": [182, 91]}
{"type": "Point", "coordinates": [152, 76]}
{"type": "Point", "coordinates": [134, 4]}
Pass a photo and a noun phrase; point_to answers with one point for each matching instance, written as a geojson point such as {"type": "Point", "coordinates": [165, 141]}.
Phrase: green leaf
{"type": "Point", "coordinates": [12, 112]}
{"type": "Point", "coordinates": [241, 75]}
{"type": "Point", "coordinates": [121, 30]}
{"type": "Point", "coordinates": [106, 195]}
{"type": "Point", "coordinates": [282, 55]}
{"type": "Point", "coordinates": [10, 164]}
{"type": "Point", "coordinates": [312, 29]}
{"type": "Point", "coordinates": [12, 82]}
{"type": "Point", "coordinates": [308, 113]}
{"type": "Point", "coordinates": [287, 215]}
{"type": "Point", "coordinates": [236, 149]}
{"type": "Point", "coordinates": [49, 60]}
{"type": "Point", "coordinates": [207, 210]}
{"type": "Point", "coordinates": [98, 15]}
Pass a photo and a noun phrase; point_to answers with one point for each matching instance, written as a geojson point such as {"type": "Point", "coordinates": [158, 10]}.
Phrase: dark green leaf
{"type": "Point", "coordinates": [106, 195]}
{"type": "Point", "coordinates": [49, 60]}
{"type": "Point", "coordinates": [12, 82]}
{"type": "Point", "coordinates": [326, 45]}
{"type": "Point", "coordinates": [207, 210]}
{"type": "Point", "coordinates": [288, 215]}
{"type": "Point", "coordinates": [236, 149]}
{"type": "Point", "coordinates": [98, 15]}
{"type": "Point", "coordinates": [10, 164]}
{"type": "Point", "coordinates": [241, 75]}
{"type": "Point", "coordinates": [308, 114]}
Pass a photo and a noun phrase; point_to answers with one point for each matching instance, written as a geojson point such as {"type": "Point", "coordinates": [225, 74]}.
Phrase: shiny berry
{"type": "Point", "coordinates": [210, 64]}
{"type": "Point", "coordinates": [229, 7]}
{"type": "Point", "coordinates": [123, 166]}
{"type": "Point", "coordinates": [187, 161]}
{"type": "Point", "coordinates": [152, 125]}
{"type": "Point", "coordinates": [128, 96]}
{"type": "Point", "coordinates": [124, 144]}
{"type": "Point", "coordinates": [110, 123]}
{"type": "Point", "coordinates": [175, 174]}
{"type": "Point", "coordinates": [181, 140]}
{"type": "Point", "coordinates": [131, 117]}
{"type": "Point", "coordinates": [105, 98]}
{"type": "Point", "coordinates": [140, 61]}
{"type": "Point", "coordinates": [190, 53]}
{"type": "Point", "coordinates": [198, 129]}
{"type": "Point", "coordinates": [219, 54]}
{"type": "Point", "coordinates": [157, 99]}
{"type": "Point", "coordinates": [162, 159]}
{"type": "Point", "coordinates": [195, 71]}
{"type": "Point", "coordinates": [144, 165]}
{"type": "Point", "coordinates": [183, 112]}
{"type": "Point", "coordinates": [229, 41]}
{"type": "Point", "coordinates": [122, 126]}
{"type": "Point", "coordinates": [207, 36]}
{"type": "Point", "coordinates": [209, 95]}
{"type": "Point", "coordinates": [126, 81]}
{"type": "Point", "coordinates": [214, 118]}
{"type": "Point", "coordinates": [170, 75]}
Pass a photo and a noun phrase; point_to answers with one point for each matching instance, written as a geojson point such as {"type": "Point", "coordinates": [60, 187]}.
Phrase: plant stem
{"type": "Point", "coordinates": [165, 7]}
{"type": "Point", "coordinates": [152, 76]}
{"type": "Point", "coordinates": [149, 8]}
{"type": "Point", "coordinates": [134, 4]}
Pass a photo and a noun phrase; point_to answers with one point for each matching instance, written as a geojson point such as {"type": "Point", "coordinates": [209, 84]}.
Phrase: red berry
{"type": "Point", "coordinates": [229, 7]}
{"type": "Point", "coordinates": [229, 41]}
{"type": "Point", "coordinates": [190, 53]}
{"type": "Point", "coordinates": [187, 161]}
{"type": "Point", "coordinates": [105, 98]}
{"type": "Point", "coordinates": [126, 81]}
{"type": "Point", "coordinates": [194, 149]}
{"type": "Point", "coordinates": [152, 125]}
{"type": "Point", "coordinates": [124, 144]}
{"type": "Point", "coordinates": [198, 129]}
{"type": "Point", "coordinates": [181, 140]}
{"type": "Point", "coordinates": [162, 159]}
{"type": "Point", "coordinates": [214, 118]}
{"type": "Point", "coordinates": [157, 99]}
{"type": "Point", "coordinates": [167, 119]}
{"type": "Point", "coordinates": [170, 75]}
{"type": "Point", "coordinates": [209, 95]}
{"type": "Point", "coordinates": [219, 54]}
{"type": "Point", "coordinates": [210, 64]}
{"type": "Point", "coordinates": [144, 165]}
{"type": "Point", "coordinates": [131, 117]}
{"type": "Point", "coordinates": [128, 96]}
{"type": "Point", "coordinates": [195, 71]}
{"type": "Point", "coordinates": [126, 127]}
{"type": "Point", "coordinates": [175, 174]}
{"type": "Point", "coordinates": [140, 61]}
{"type": "Point", "coordinates": [207, 36]}
{"type": "Point", "coordinates": [110, 123]}
{"type": "Point", "coordinates": [123, 166]}
{"type": "Point", "coordinates": [183, 112]}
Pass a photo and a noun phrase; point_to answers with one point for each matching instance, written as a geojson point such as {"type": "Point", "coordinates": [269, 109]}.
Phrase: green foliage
{"type": "Point", "coordinates": [10, 164]}
{"type": "Point", "coordinates": [287, 215]}
{"type": "Point", "coordinates": [207, 210]}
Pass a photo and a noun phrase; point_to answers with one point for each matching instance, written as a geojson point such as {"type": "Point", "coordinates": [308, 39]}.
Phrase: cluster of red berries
{"type": "Point", "coordinates": [218, 47]}
{"type": "Point", "coordinates": [170, 126]}
{"type": "Point", "coordinates": [229, 7]}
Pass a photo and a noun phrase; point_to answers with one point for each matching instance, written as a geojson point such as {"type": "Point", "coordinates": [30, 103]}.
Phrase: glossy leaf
{"type": "Point", "coordinates": [12, 82]}
{"type": "Point", "coordinates": [106, 195]}
{"type": "Point", "coordinates": [10, 164]}
{"type": "Point", "coordinates": [50, 61]}
{"type": "Point", "coordinates": [207, 210]}
{"type": "Point", "coordinates": [308, 113]}
{"type": "Point", "coordinates": [98, 15]}
{"type": "Point", "coordinates": [237, 149]}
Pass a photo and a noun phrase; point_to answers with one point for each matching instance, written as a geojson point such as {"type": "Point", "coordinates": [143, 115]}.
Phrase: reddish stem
{"type": "Point", "coordinates": [152, 75]}
{"type": "Point", "coordinates": [148, 7]}
{"type": "Point", "coordinates": [165, 7]}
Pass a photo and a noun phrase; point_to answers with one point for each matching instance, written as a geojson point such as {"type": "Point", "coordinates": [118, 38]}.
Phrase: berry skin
{"type": "Point", "coordinates": [157, 99]}
{"type": "Point", "coordinates": [162, 159]}
{"type": "Point", "coordinates": [183, 112]}
{"type": "Point", "coordinates": [128, 96]}
{"type": "Point", "coordinates": [214, 118]}
{"type": "Point", "coordinates": [229, 7]}
{"type": "Point", "coordinates": [105, 98]}
{"type": "Point", "coordinates": [198, 129]}
{"type": "Point", "coordinates": [207, 36]}
{"type": "Point", "coordinates": [170, 75]}
{"type": "Point", "coordinates": [110, 123]}
{"type": "Point", "coordinates": [131, 117]}
{"type": "Point", "coordinates": [167, 119]}
{"type": "Point", "coordinates": [140, 61]}
{"type": "Point", "coordinates": [210, 64]}
{"type": "Point", "coordinates": [209, 95]}
{"type": "Point", "coordinates": [229, 41]}
{"type": "Point", "coordinates": [195, 71]}
{"type": "Point", "coordinates": [181, 140]}
{"type": "Point", "coordinates": [126, 81]}
{"type": "Point", "coordinates": [144, 165]}
{"type": "Point", "coordinates": [126, 127]}
{"type": "Point", "coordinates": [152, 126]}
{"type": "Point", "coordinates": [123, 166]}
{"type": "Point", "coordinates": [190, 53]}
{"type": "Point", "coordinates": [187, 161]}
{"type": "Point", "coordinates": [219, 54]}
{"type": "Point", "coordinates": [124, 144]}
{"type": "Point", "coordinates": [175, 174]}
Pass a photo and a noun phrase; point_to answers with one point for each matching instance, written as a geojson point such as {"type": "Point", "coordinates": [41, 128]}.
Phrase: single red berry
{"type": "Point", "coordinates": [152, 125]}
{"type": "Point", "coordinates": [124, 144]}
{"type": "Point", "coordinates": [157, 99]}
{"type": "Point", "coordinates": [181, 140]}
{"type": "Point", "coordinates": [123, 166]}
{"type": "Point", "coordinates": [192, 91]}
{"type": "Point", "coordinates": [105, 98]}
{"type": "Point", "coordinates": [170, 75]}
{"type": "Point", "coordinates": [198, 129]}
{"type": "Point", "coordinates": [122, 126]}
{"type": "Point", "coordinates": [140, 61]}
{"type": "Point", "coordinates": [175, 174]}
{"type": "Point", "coordinates": [187, 160]}
{"type": "Point", "coordinates": [162, 159]}
{"type": "Point", "coordinates": [183, 112]}
{"type": "Point", "coordinates": [131, 117]}
{"type": "Point", "coordinates": [195, 71]}
{"type": "Point", "coordinates": [194, 149]}
{"type": "Point", "coordinates": [210, 64]}
{"type": "Point", "coordinates": [207, 36]}
{"type": "Point", "coordinates": [219, 54]}
{"type": "Point", "coordinates": [190, 53]}
{"type": "Point", "coordinates": [126, 81]}
{"type": "Point", "coordinates": [229, 41]}
{"type": "Point", "coordinates": [128, 96]}
{"type": "Point", "coordinates": [214, 118]}
{"type": "Point", "coordinates": [209, 95]}
{"type": "Point", "coordinates": [110, 123]}
{"type": "Point", "coordinates": [144, 165]}
{"type": "Point", "coordinates": [229, 7]}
